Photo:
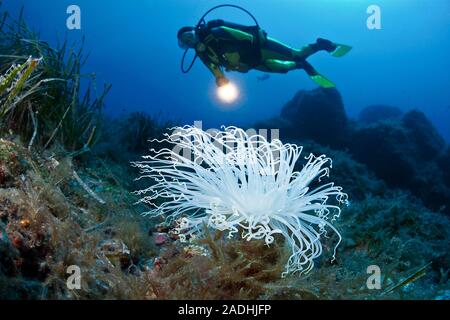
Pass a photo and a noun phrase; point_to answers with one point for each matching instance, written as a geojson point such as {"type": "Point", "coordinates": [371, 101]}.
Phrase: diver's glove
{"type": "Point", "coordinates": [222, 81]}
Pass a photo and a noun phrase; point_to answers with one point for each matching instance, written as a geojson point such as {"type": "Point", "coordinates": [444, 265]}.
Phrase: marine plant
{"type": "Point", "coordinates": [232, 181]}
{"type": "Point", "coordinates": [13, 82]}
{"type": "Point", "coordinates": [55, 103]}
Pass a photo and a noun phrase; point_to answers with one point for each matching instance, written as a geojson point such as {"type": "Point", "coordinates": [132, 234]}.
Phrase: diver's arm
{"type": "Point", "coordinates": [216, 71]}
{"type": "Point", "coordinates": [228, 33]}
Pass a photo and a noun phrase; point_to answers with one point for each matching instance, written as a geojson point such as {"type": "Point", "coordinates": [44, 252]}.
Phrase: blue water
{"type": "Point", "coordinates": [133, 46]}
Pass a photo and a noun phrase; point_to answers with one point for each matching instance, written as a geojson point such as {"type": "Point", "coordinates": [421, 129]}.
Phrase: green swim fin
{"type": "Point", "coordinates": [322, 81]}
{"type": "Point", "coordinates": [341, 50]}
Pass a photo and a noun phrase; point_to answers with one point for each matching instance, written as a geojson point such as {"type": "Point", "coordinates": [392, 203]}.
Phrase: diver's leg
{"type": "Point", "coordinates": [320, 45]}
{"type": "Point", "coordinates": [273, 49]}
{"type": "Point", "coordinates": [280, 58]}
{"type": "Point", "coordinates": [284, 66]}
{"type": "Point", "coordinates": [315, 75]}
{"type": "Point", "coordinates": [277, 66]}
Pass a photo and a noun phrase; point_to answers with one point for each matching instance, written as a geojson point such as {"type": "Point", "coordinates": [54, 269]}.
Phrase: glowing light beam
{"type": "Point", "coordinates": [228, 93]}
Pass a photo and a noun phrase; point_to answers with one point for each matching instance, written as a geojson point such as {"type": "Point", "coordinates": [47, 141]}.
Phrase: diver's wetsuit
{"type": "Point", "coordinates": [242, 48]}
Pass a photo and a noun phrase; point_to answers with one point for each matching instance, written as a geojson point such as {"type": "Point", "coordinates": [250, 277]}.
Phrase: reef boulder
{"type": "Point", "coordinates": [444, 165]}
{"type": "Point", "coordinates": [379, 112]}
{"type": "Point", "coordinates": [318, 115]}
{"type": "Point", "coordinates": [403, 149]}
{"type": "Point", "coordinates": [405, 153]}
{"type": "Point", "coordinates": [428, 143]}
{"type": "Point", "coordinates": [386, 149]}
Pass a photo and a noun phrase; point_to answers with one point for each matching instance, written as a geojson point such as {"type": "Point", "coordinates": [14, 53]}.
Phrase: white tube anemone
{"type": "Point", "coordinates": [231, 181]}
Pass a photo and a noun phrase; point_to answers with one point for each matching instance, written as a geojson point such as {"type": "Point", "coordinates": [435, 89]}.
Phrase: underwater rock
{"type": "Point", "coordinates": [380, 112]}
{"type": "Point", "coordinates": [28, 245]}
{"type": "Point", "coordinates": [384, 148]}
{"type": "Point", "coordinates": [399, 231]}
{"type": "Point", "coordinates": [277, 122]}
{"type": "Point", "coordinates": [8, 255]}
{"type": "Point", "coordinates": [405, 154]}
{"type": "Point", "coordinates": [11, 163]}
{"type": "Point", "coordinates": [427, 141]}
{"type": "Point", "coordinates": [444, 165]}
{"type": "Point", "coordinates": [356, 178]}
{"type": "Point", "coordinates": [125, 138]}
{"type": "Point", "coordinates": [318, 115]}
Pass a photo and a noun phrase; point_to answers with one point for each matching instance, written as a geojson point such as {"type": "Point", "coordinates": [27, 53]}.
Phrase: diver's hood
{"type": "Point", "coordinates": [183, 30]}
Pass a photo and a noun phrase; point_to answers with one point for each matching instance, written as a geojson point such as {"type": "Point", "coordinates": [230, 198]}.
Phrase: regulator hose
{"type": "Point", "coordinates": [202, 21]}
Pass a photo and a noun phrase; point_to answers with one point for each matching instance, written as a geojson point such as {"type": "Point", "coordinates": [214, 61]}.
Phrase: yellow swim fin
{"type": "Point", "coordinates": [341, 50]}
{"type": "Point", "coordinates": [322, 81]}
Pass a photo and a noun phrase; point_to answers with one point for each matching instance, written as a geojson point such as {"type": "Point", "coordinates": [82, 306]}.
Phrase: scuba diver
{"type": "Point", "coordinates": [235, 47]}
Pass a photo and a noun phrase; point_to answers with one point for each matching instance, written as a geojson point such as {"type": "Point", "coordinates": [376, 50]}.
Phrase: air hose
{"type": "Point", "coordinates": [202, 21]}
